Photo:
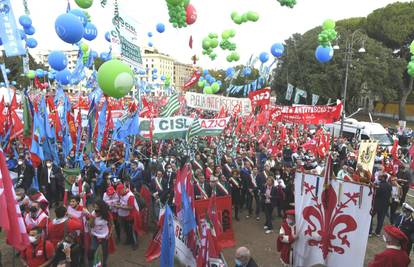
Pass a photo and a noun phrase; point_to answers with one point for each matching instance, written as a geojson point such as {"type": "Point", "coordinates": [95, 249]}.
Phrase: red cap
{"type": "Point", "coordinates": [290, 212]}
{"type": "Point", "coordinates": [110, 190]}
{"type": "Point", "coordinates": [396, 233]}
{"type": "Point", "coordinates": [120, 189]}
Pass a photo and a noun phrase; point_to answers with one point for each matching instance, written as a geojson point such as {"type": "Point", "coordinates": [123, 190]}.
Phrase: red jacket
{"type": "Point", "coordinates": [43, 251]}
{"type": "Point", "coordinates": [390, 257]}
{"type": "Point", "coordinates": [56, 231]}
{"type": "Point", "coordinates": [285, 241]}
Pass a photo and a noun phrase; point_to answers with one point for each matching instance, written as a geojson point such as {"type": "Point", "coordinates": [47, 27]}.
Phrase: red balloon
{"type": "Point", "coordinates": [191, 14]}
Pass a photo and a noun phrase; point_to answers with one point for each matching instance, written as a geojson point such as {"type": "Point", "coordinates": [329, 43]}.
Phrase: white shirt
{"type": "Point", "coordinates": [49, 172]}
{"type": "Point", "coordinates": [100, 227]}
{"type": "Point", "coordinates": [111, 201]}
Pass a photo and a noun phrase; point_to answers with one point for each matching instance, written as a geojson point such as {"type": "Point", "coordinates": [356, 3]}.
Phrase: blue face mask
{"type": "Point", "coordinates": [238, 262]}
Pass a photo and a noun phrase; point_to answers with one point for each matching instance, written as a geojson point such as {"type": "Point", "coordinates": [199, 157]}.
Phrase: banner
{"type": "Point", "coordinates": [224, 212]}
{"type": "Point", "coordinates": [315, 99]}
{"type": "Point", "coordinates": [307, 114]}
{"type": "Point", "coordinates": [367, 153]}
{"type": "Point", "coordinates": [177, 127]}
{"type": "Point", "coordinates": [193, 80]}
{"type": "Point", "coordinates": [260, 97]}
{"type": "Point", "coordinates": [4, 73]}
{"type": "Point", "coordinates": [289, 92]}
{"type": "Point", "coordinates": [216, 102]}
{"type": "Point", "coordinates": [9, 34]}
{"type": "Point", "coordinates": [332, 225]}
{"type": "Point", "coordinates": [300, 93]}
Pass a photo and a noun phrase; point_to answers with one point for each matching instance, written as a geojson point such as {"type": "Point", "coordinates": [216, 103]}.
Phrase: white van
{"type": "Point", "coordinates": [363, 130]}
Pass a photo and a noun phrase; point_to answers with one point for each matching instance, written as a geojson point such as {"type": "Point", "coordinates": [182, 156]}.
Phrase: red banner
{"type": "Point", "coordinates": [224, 212]}
{"type": "Point", "coordinates": [194, 79]}
{"type": "Point", "coordinates": [307, 114]}
{"type": "Point", "coordinates": [260, 97]}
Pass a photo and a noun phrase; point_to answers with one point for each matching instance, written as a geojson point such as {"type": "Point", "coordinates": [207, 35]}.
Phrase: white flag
{"type": "Point", "coordinates": [332, 224]}
{"type": "Point", "coordinates": [315, 99]}
{"type": "Point", "coordinates": [300, 93]}
{"type": "Point", "coordinates": [289, 92]}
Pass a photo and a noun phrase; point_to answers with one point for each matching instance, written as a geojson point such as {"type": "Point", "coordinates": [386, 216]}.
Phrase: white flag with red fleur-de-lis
{"type": "Point", "coordinates": [332, 222]}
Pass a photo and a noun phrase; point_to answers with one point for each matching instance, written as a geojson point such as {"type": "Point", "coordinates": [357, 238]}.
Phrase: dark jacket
{"type": "Point", "coordinates": [56, 176]}
{"type": "Point", "coordinates": [273, 195]}
{"type": "Point", "coordinates": [25, 176]}
{"type": "Point", "coordinates": [382, 196]}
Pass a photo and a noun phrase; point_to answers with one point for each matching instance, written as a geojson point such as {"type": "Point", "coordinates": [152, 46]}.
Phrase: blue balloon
{"type": "Point", "coordinates": [264, 57]}
{"type": "Point", "coordinates": [40, 73]}
{"type": "Point", "coordinates": [7, 71]}
{"type": "Point", "coordinates": [31, 43]}
{"type": "Point", "coordinates": [324, 54]}
{"type": "Point", "coordinates": [108, 36]}
{"type": "Point", "coordinates": [230, 72]}
{"type": "Point", "coordinates": [105, 56]}
{"type": "Point", "coordinates": [205, 72]}
{"type": "Point", "coordinates": [163, 78]}
{"type": "Point", "coordinates": [220, 83]}
{"type": "Point", "coordinates": [69, 28]}
{"type": "Point", "coordinates": [80, 14]}
{"type": "Point", "coordinates": [30, 31]}
{"type": "Point", "coordinates": [63, 77]}
{"type": "Point", "coordinates": [154, 77]}
{"type": "Point", "coordinates": [150, 44]}
{"type": "Point", "coordinates": [14, 83]}
{"type": "Point", "coordinates": [25, 21]}
{"type": "Point", "coordinates": [201, 79]}
{"type": "Point", "coordinates": [160, 27]}
{"type": "Point", "coordinates": [51, 75]}
{"type": "Point", "coordinates": [93, 54]}
{"type": "Point", "coordinates": [149, 34]}
{"type": "Point", "coordinates": [22, 35]}
{"type": "Point", "coordinates": [90, 32]}
{"type": "Point", "coordinates": [277, 50]}
{"type": "Point", "coordinates": [1, 42]}
{"type": "Point", "coordinates": [57, 60]}
{"type": "Point", "coordinates": [247, 71]}
{"type": "Point", "coordinates": [154, 70]}
{"type": "Point", "coordinates": [2, 84]}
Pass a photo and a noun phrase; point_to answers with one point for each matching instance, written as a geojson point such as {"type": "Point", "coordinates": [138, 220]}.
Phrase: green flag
{"type": "Point", "coordinates": [194, 130]}
{"type": "Point", "coordinates": [172, 106]}
{"type": "Point", "coordinates": [27, 118]}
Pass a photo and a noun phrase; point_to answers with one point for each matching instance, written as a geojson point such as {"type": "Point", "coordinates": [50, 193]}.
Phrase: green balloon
{"type": "Point", "coordinates": [84, 47]}
{"type": "Point", "coordinates": [213, 35]}
{"type": "Point", "coordinates": [115, 78]}
{"type": "Point", "coordinates": [206, 43]}
{"type": "Point", "coordinates": [208, 90]}
{"type": "Point", "coordinates": [215, 87]}
{"type": "Point", "coordinates": [244, 18]}
{"type": "Point", "coordinates": [201, 84]}
{"type": "Point", "coordinates": [31, 74]}
{"type": "Point", "coordinates": [412, 47]}
{"type": "Point", "coordinates": [235, 56]}
{"type": "Point", "coordinates": [238, 20]}
{"type": "Point", "coordinates": [175, 2]}
{"type": "Point", "coordinates": [213, 43]}
{"type": "Point", "coordinates": [328, 24]}
{"type": "Point", "coordinates": [84, 3]}
{"type": "Point", "coordinates": [234, 14]}
{"type": "Point", "coordinates": [186, 2]}
{"type": "Point", "coordinates": [252, 16]}
{"type": "Point", "coordinates": [232, 32]}
{"type": "Point", "coordinates": [225, 34]}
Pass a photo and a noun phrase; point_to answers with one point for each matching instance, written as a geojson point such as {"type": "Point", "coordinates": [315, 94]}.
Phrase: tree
{"type": "Point", "coordinates": [392, 25]}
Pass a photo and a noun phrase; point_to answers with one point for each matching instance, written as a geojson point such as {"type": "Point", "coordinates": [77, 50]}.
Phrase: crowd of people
{"type": "Point", "coordinates": [94, 199]}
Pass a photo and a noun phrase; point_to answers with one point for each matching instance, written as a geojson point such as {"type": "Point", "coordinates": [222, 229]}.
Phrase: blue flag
{"type": "Point", "coordinates": [9, 33]}
{"type": "Point", "coordinates": [168, 239]}
{"type": "Point", "coordinates": [188, 219]}
{"type": "Point", "coordinates": [101, 125]}
{"type": "Point", "coordinates": [36, 149]}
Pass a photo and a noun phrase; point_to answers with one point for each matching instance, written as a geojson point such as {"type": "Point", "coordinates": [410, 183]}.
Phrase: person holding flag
{"type": "Point", "coordinates": [286, 238]}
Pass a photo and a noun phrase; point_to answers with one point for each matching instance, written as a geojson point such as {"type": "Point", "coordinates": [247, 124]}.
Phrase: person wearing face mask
{"type": "Point", "coordinates": [243, 258]}
{"type": "Point", "coordinates": [23, 200]}
{"type": "Point", "coordinates": [51, 182]}
{"type": "Point", "coordinates": [35, 196]}
{"type": "Point", "coordinates": [269, 193]}
{"type": "Point", "coordinates": [61, 225]}
{"type": "Point", "coordinates": [286, 238]}
{"type": "Point", "coordinates": [68, 252]}
{"type": "Point", "coordinates": [71, 160]}
{"type": "Point", "coordinates": [136, 176]}
{"type": "Point", "coordinates": [90, 173]}
{"type": "Point", "coordinates": [405, 222]}
{"type": "Point", "coordinates": [35, 218]}
{"type": "Point", "coordinates": [395, 254]}
{"type": "Point", "coordinates": [25, 173]}
{"type": "Point", "coordinates": [39, 253]}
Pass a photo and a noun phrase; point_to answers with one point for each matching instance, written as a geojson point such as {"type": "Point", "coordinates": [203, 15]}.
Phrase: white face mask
{"type": "Point", "coordinates": [49, 165]}
{"type": "Point", "coordinates": [238, 262]}
{"type": "Point", "coordinates": [20, 162]}
{"type": "Point", "coordinates": [169, 170]}
{"type": "Point", "coordinates": [32, 239]}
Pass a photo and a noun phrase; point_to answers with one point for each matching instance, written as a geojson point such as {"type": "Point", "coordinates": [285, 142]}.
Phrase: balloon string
{"type": "Point", "coordinates": [26, 7]}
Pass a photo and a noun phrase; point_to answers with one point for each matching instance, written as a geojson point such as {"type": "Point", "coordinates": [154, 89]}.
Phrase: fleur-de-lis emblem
{"type": "Point", "coordinates": [333, 224]}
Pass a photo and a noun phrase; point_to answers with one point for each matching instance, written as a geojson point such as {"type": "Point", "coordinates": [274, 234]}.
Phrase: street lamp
{"type": "Point", "coordinates": [348, 60]}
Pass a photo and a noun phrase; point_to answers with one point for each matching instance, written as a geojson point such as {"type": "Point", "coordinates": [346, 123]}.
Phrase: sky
{"type": "Point", "coordinates": [275, 25]}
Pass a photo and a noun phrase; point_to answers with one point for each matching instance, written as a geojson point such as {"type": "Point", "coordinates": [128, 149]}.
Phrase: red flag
{"type": "Point", "coordinates": [16, 124]}
{"type": "Point", "coordinates": [154, 248]}
{"type": "Point", "coordinates": [13, 104]}
{"type": "Point", "coordinates": [11, 219]}
{"type": "Point", "coordinates": [190, 42]}
{"type": "Point", "coordinates": [212, 213]}
{"type": "Point", "coordinates": [146, 194]}
{"type": "Point", "coordinates": [193, 80]}
{"type": "Point", "coordinates": [394, 149]}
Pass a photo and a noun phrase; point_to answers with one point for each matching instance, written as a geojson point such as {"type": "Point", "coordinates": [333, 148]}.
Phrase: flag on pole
{"type": "Point", "coordinates": [194, 130]}
{"type": "Point", "coordinates": [172, 106]}
{"type": "Point", "coordinates": [168, 239]}
{"type": "Point", "coordinates": [11, 220]}
{"type": "Point", "coordinates": [188, 218]}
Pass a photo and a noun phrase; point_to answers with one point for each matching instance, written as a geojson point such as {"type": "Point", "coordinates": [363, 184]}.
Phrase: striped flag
{"type": "Point", "coordinates": [194, 130]}
{"type": "Point", "coordinates": [172, 106]}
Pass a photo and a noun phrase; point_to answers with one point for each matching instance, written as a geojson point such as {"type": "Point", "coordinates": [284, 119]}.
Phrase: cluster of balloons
{"type": "Point", "coordinates": [288, 3]}
{"type": "Point", "coordinates": [154, 74]}
{"type": "Point", "coordinates": [246, 17]}
{"type": "Point", "coordinates": [209, 44]}
{"type": "Point", "coordinates": [84, 3]}
{"type": "Point", "coordinates": [28, 29]}
{"type": "Point", "coordinates": [181, 13]}
{"type": "Point", "coordinates": [233, 57]}
{"type": "Point", "coordinates": [328, 33]}
{"type": "Point", "coordinates": [73, 26]}
{"type": "Point", "coordinates": [410, 67]}
{"type": "Point", "coordinates": [225, 43]}
{"type": "Point", "coordinates": [115, 78]}
{"type": "Point", "coordinates": [208, 83]}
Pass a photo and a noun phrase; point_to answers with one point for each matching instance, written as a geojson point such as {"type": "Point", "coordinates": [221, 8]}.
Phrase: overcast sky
{"type": "Point", "coordinates": [276, 23]}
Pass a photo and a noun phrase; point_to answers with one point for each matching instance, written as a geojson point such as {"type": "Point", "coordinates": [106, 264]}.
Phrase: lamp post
{"type": "Point", "coordinates": [348, 60]}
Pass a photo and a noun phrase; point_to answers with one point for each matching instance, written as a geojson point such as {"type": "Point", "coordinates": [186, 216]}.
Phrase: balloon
{"type": "Point", "coordinates": [105, 56]}
{"type": "Point", "coordinates": [149, 34]}
{"type": "Point", "coordinates": [93, 54]}
{"type": "Point", "coordinates": [277, 50]}
{"type": "Point", "coordinates": [230, 72]}
{"type": "Point", "coordinates": [22, 35]}
{"type": "Point", "coordinates": [108, 36]}
{"type": "Point", "coordinates": [214, 43]}
{"type": "Point", "coordinates": [115, 78]}
{"type": "Point", "coordinates": [69, 28]}
{"type": "Point", "coordinates": [81, 15]}
{"type": "Point", "coordinates": [324, 54]}
{"type": "Point", "coordinates": [208, 90]}
{"type": "Point", "coordinates": [247, 71]}
{"type": "Point", "coordinates": [84, 47]}
{"type": "Point", "coordinates": [63, 77]}
{"type": "Point", "coordinates": [150, 44]}
{"type": "Point", "coordinates": [14, 83]}
{"type": "Point", "coordinates": [264, 57]}
{"type": "Point", "coordinates": [31, 74]}
{"type": "Point", "coordinates": [175, 2]}
{"type": "Point", "coordinates": [191, 14]}
{"type": "Point", "coordinates": [160, 27]}
{"type": "Point", "coordinates": [215, 87]}
{"type": "Point", "coordinates": [2, 84]}
{"type": "Point", "coordinates": [154, 77]}
{"type": "Point", "coordinates": [51, 75]}
{"type": "Point", "coordinates": [205, 72]}
{"type": "Point", "coordinates": [201, 84]}
{"type": "Point", "coordinates": [252, 16]}
{"type": "Point", "coordinates": [328, 24]}
{"type": "Point", "coordinates": [31, 43]}
{"type": "Point", "coordinates": [30, 30]}
{"type": "Point", "coordinates": [25, 21]}
{"type": "Point", "coordinates": [90, 32]}
{"type": "Point", "coordinates": [40, 73]}
{"type": "Point", "coordinates": [57, 60]}
{"type": "Point", "coordinates": [84, 3]}
{"type": "Point", "coordinates": [162, 77]}
{"type": "Point", "coordinates": [206, 43]}
{"type": "Point", "coordinates": [7, 71]}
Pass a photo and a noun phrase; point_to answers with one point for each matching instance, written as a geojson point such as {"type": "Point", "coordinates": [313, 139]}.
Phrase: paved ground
{"type": "Point", "coordinates": [248, 233]}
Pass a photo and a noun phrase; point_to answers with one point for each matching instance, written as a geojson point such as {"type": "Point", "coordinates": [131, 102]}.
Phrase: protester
{"type": "Point", "coordinates": [59, 227]}
{"type": "Point", "coordinates": [40, 252]}
{"type": "Point", "coordinates": [68, 252]}
{"type": "Point", "coordinates": [381, 203]}
{"type": "Point", "coordinates": [286, 238]}
{"type": "Point", "coordinates": [243, 258]}
{"type": "Point", "coordinates": [405, 222]}
{"type": "Point", "coordinates": [269, 197]}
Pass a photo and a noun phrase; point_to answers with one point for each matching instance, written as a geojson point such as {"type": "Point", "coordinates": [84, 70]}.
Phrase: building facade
{"type": "Point", "coordinates": [182, 73]}
{"type": "Point", "coordinates": [41, 56]}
